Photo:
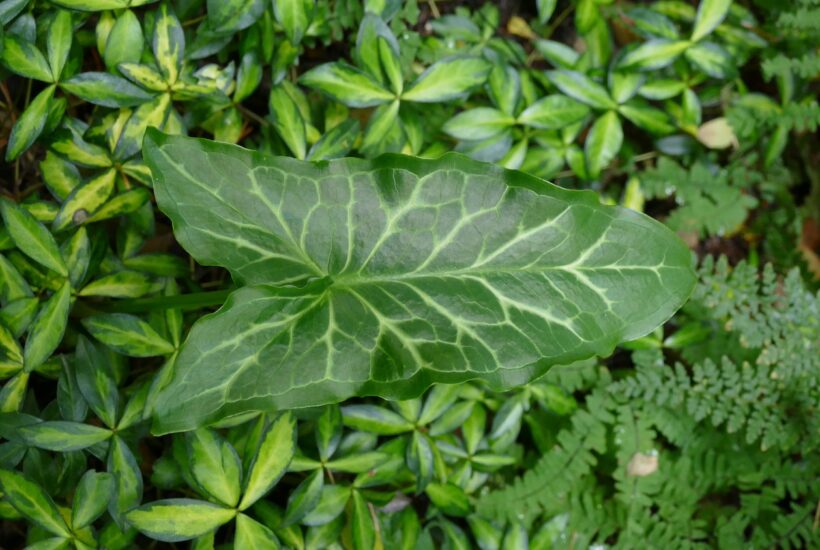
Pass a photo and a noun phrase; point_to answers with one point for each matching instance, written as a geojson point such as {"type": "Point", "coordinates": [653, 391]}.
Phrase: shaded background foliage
{"type": "Point", "coordinates": [703, 116]}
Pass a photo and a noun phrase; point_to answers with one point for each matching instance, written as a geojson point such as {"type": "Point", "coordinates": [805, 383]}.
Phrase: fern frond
{"type": "Point", "coordinates": [546, 486]}
{"type": "Point", "coordinates": [807, 66]}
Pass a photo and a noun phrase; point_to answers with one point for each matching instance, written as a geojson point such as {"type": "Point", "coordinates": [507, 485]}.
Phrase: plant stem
{"type": "Point", "coordinates": [195, 300]}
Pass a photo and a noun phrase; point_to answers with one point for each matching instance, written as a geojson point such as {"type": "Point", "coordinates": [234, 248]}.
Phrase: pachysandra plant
{"type": "Point", "coordinates": [381, 277]}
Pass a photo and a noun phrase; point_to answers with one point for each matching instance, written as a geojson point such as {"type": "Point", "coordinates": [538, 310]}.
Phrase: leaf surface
{"type": "Point", "coordinates": [382, 277]}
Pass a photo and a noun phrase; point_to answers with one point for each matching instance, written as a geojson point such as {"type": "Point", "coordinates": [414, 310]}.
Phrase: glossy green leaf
{"type": "Point", "coordinates": [96, 383]}
{"type": "Point", "coordinates": [124, 203]}
{"type": "Point", "coordinates": [168, 43]}
{"type": "Point", "coordinates": [234, 15]}
{"type": "Point", "coordinates": [76, 251]}
{"type": "Point", "coordinates": [288, 122]}
{"type": "Point", "coordinates": [603, 143]}
{"type": "Point", "coordinates": [391, 64]}
{"type": "Point", "coordinates": [178, 519]}
{"type": "Point", "coordinates": [125, 42]}
{"type": "Point", "coordinates": [478, 123]}
{"type": "Point", "coordinates": [304, 497]}
{"type": "Point", "coordinates": [58, 42]}
{"type": "Point", "coordinates": [99, 5]}
{"type": "Point", "coordinates": [127, 480]}
{"type": "Point", "coordinates": [375, 419]}
{"type": "Point", "coordinates": [487, 535]}
{"type": "Point", "coordinates": [448, 79]}
{"type": "Point", "coordinates": [348, 243]}
{"type": "Point", "coordinates": [712, 59]}
{"type": "Point", "coordinates": [47, 330]}
{"type": "Point", "coordinates": [145, 76]}
{"type": "Point", "coordinates": [294, 16]}
{"type": "Point", "coordinates": [252, 534]}
{"type": "Point", "coordinates": [13, 392]}
{"type": "Point", "coordinates": [94, 491]}
{"type": "Point", "coordinates": [710, 14]}
{"type": "Point", "coordinates": [654, 54]}
{"type": "Point", "coordinates": [581, 87]}
{"type": "Point", "coordinates": [32, 238]}
{"type": "Point", "coordinates": [22, 57]}
{"type": "Point", "coordinates": [30, 124]}
{"type": "Point", "coordinates": [330, 505]}
{"type": "Point", "coordinates": [504, 86]}
{"type": "Point", "coordinates": [328, 431]}
{"type": "Point", "coordinates": [215, 465]}
{"type": "Point", "coordinates": [346, 84]}
{"type": "Point", "coordinates": [123, 284]}
{"type": "Point", "coordinates": [84, 200]}
{"type": "Point", "coordinates": [336, 143]}
{"type": "Point", "coordinates": [105, 89]}
{"type": "Point", "coordinates": [553, 112]}
{"type": "Point", "coordinates": [384, 131]}
{"type": "Point", "coordinates": [127, 334]}
{"type": "Point", "coordinates": [363, 530]}
{"type": "Point", "coordinates": [277, 445]}
{"type": "Point", "coordinates": [450, 499]}
{"type": "Point", "coordinates": [31, 501]}
{"type": "Point", "coordinates": [62, 436]}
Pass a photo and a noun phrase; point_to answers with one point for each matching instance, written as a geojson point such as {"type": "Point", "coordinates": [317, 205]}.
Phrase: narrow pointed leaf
{"type": "Point", "coordinates": [276, 448]}
{"type": "Point", "coordinates": [168, 43]}
{"type": "Point", "coordinates": [94, 491]}
{"type": "Point", "coordinates": [127, 334]}
{"type": "Point", "coordinates": [30, 124]}
{"type": "Point", "coordinates": [553, 112]}
{"type": "Point", "coordinates": [32, 502]}
{"type": "Point", "coordinates": [58, 42]}
{"type": "Point", "coordinates": [393, 257]}
{"type": "Point", "coordinates": [603, 142]}
{"type": "Point", "coordinates": [346, 84]}
{"type": "Point", "coordinates": [22, 57]}
{"type": "Point", "coordinates": [177, 519]}
{"type": "Point", "coordinates": [252, 534]}
{"type": "Point", "coordinates": [582, 88]}
{"type": "Point", "coordinates": [63, 436]}
{"type": "Point", "coordinates": [48, 328]}
{"type": "Point", "coordinates": [710, 14]}
{"type": "Point", "coordinates": [32, 238]}
{"type": "Point", "coordinates": [448, 79]}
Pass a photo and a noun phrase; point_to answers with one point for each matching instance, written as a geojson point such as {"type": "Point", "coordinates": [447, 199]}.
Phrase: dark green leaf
{"type": "Point", "coordinates": [448, 79]}
{"type": "Point", "coordinates": [23, 58]}
{"type": "Point", "coordinates": [58, 42]}
{"type": "Point", "coordinates": [215, 465]}
{"type": "Point", "coordinates": [448, 498]}
{"type": "Point", "coordinates": [603, 143]}
{"type": "Point", "coordinates": [30, 124]}
{"type": "Point", "coordinates": [32, 238]}
{"type": "Point", "coordinates": [582, 88]}
{"type": "Point", "coordinates": [94, 491]}
{"type": "Point", "coordinates": [32, 502]}
{"type": "Point", "coordinates": [252, 534]}
{"type": "Point", "coordinates": [127, 334]}
{"type": "Point", "coordinates": [553, 112]}
{"type": "Point", "coordinates": [177, 519]}
{"type": "Point", "coordinates": [710, 14]}
{"type": "Point", "coordinates": [277, 445]}
{"type": "Point", "coordinates": [294, 16]}
{"type": "Point", "coordinates": [168, 43]}
{"type": "Point", "coordinates": [346, 84]}
{"type": "Point", "coordinates": [304, 498]}
{"type": "Point", "coordinates": [105, 89]}
{"type": "Point", "coordinates": [62, 436]}
{"type": "Point", "coordinates": [47, 330]}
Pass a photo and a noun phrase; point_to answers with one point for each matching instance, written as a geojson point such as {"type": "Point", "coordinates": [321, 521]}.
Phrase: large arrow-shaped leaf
{"type": "Point", "coordinates": [380, 277]}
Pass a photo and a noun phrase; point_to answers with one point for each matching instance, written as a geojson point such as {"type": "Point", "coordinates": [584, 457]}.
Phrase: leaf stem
{"type": "Point", "coordinates": [195, 300]}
